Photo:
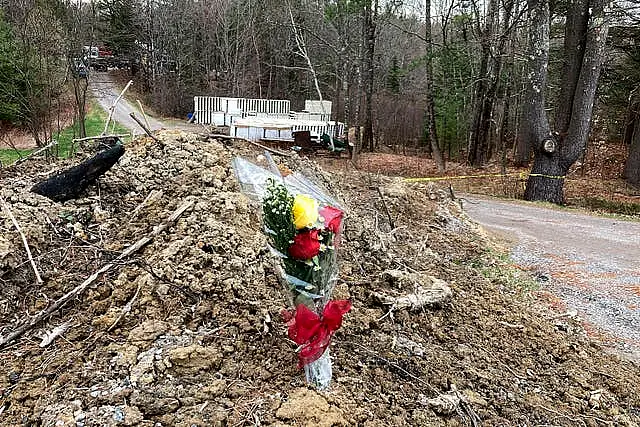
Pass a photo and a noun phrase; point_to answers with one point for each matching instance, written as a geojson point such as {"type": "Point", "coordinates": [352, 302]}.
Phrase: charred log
{"type": "Point", "coordinates": [70, 183]}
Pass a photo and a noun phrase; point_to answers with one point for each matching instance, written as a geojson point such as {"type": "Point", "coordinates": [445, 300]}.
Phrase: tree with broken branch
{"type": "Point", "coordinates": [556, 149]}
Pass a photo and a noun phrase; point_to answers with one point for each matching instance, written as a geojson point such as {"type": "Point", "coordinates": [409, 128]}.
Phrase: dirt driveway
{"type": "Point", "coordinates": [592, 263]}
{"type": "Point", "coordinates": [106, 90]}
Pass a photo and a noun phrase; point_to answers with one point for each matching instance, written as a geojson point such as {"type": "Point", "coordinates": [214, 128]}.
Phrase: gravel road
{"type": "Point", "coordinates": [592, 263]}
{"type": "Point", "coordinates": [105, 90]}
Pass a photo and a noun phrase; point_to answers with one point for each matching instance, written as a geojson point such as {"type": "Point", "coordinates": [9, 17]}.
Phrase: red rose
{"type": "Point", "coordinates": [332, 218]}
{"type": "Point", "coordinates": [305, 245]}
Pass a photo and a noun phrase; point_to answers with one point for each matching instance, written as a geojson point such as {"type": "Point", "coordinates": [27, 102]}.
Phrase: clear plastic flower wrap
{"type": "Point", "coordinates": [303, 225]}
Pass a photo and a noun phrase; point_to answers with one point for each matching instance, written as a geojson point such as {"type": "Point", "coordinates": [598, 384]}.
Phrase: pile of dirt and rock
{"type": "Point", "coordinates": [187, 330]}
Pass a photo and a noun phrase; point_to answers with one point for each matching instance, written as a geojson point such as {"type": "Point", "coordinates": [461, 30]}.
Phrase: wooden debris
{"type": "Point", "coordinates": [264, 147]}
{"type": "Point", "coordinates": [386, 209]}
{"type": "Point", "coordinates": [144, 116]}
{"type": "Point", "coordinates": [144, 128]}
{"type": "Point", "coordinates": [78, 290]}
{"type": "Point", "coordinates": [13, 219]}
{"type": "Point", "coordinates": [70, 183]}
{"type": "Point", "coordinates": [126, 309]}
{"type": "Point", "coordinates": [49, 337]}
{"type": "Point", "coordinates": [91, 138]}
{"type": "Point", "coordinates": [113, 107]}
{"type": "Point", "coordinates": [35, 153]}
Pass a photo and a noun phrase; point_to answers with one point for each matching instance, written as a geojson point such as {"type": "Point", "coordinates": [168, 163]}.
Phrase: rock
{"type": "Point", "coordinates": [474, 398]}
{"type": "Point", "coordinates": [58, 415]}
{"type": "Point", "coordinates": [396, 188]}
{"type": "Point", "coordinates": [421, 417]}
{"type": "Point", "coordinates": [341, 291]}
{"type": "Point", "coordinates": [307, 407]}
{"type": "Point", "coordinates": [126, 355]}
{"type": "Point", "coordinates": [148, 331]}
{"type": "Point", "coordinates": [109, 416]}
{"type": "Point", "coordinates": [153, 405]}
{"type": "Point", "coordinates": [428, 290]}
{"type": "Point", "coordinates": [132, 416]}
{"type": "Point", "coordinates": [411, 347]}
{"type": "Point", "coordinates": [7, 260]}
{"type": "Point", "coordinates": [444, 404]}
{"type": "Point", "coordinates": [143, 372]}
{"type": "Point", "coordinates": [211, 391]}
{"type": "Point", "coordinates": [106, 320]}
{"type": "Point", "coordinates": [194, 358]}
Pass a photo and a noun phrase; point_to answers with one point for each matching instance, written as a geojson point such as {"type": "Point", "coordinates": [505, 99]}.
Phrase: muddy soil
{"type": "Point", "coordinates": [188, 331]}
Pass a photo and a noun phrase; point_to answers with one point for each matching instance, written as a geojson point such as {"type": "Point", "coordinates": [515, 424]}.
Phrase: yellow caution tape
{"type": "Point", "coordinates": [548, 176]}
{"type": "Point", "coordinates": [445, 178]}
{"type": "Point", "coordinates": [522, 175]}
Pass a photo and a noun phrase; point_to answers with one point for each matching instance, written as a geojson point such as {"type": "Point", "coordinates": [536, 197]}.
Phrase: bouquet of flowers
{"type": "Point", "coordinates": [304, 232]}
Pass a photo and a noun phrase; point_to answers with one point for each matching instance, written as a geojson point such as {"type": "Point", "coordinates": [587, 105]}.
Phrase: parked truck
{"type": "Point", "coordinates": [101, 58]}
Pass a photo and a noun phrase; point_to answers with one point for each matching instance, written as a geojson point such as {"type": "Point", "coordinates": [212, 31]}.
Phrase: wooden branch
{"type": "Point", "coordinates": [144, 116]}
{"type": "Point", "coordinates": [35, 153]}
{"type": "Point", "coordinates": [5, 206]}
{"type": "Point", "coordinates": [144, 128]}
{"type": "Point", "coordinates": [113, 107]}
{"type": "Point", "coordinates": [126, 309]}
{"type": "Point", "coordinates": [264, 147]}
{"type": "Point", "coordinates": [153, 195]}
{"type": "Point", "coordinates": [386, 209]}
{"type": "Point", "coordinates": [90, 138]}
{"type": "Point", "coordinates": [78, 290]}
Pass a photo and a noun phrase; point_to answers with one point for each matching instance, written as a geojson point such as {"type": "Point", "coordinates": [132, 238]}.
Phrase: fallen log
{"type": "Point", "coordinates": [70, 183]}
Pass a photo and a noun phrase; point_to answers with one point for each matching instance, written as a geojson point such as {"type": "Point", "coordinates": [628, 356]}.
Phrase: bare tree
{"type": "Point", "coordinates": [556, 152]}
{"type": "Point", "coordinates": [632, 137]}
{"type": "Point", "coordinates": [370, 15]}
{"type": "Point", "coordinates": [431, 112]}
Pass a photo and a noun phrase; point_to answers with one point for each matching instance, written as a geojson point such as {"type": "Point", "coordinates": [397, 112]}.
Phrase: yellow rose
{"type": "Point", "coordinates": [305, 211]}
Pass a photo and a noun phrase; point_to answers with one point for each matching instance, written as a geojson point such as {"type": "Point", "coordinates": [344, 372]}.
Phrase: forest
{"type": "Point", "coordinates": [464, 80]}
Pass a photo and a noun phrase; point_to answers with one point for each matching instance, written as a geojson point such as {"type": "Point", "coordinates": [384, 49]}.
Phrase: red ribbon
{"type": "Point", "coordinates": [312, 332]}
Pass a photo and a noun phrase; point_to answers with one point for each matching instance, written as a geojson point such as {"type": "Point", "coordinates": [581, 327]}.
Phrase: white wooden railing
{"type": "Point", "coordinates": [221, 111]}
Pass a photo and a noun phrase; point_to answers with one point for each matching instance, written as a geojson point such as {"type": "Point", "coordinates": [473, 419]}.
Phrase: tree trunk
{"type": "Point", "coordinates": [630, 123]}
{"type": "Point", "coordinates": [475, 155]}
{"type": "Point", "coordinates": [370, 16]}
{"type": "Point", "coordinates": [523, 143]}
{"type": "Point", "coordinates": [506, 116]}
{"type": "Point", "coordinates": [574, 45]}
{"type": "Point", "coordinates": [431, 113]}
{"type": "Point", "coordinates": [554, 156]}
{"type": "Point", "coordinates": [80, 92]}
{"type": "Point", "coordinates": [585, 93]}
{"type": "Point", "coordinates": [485, 89]}
{"type": "Point", "coordinates": [632, 167]}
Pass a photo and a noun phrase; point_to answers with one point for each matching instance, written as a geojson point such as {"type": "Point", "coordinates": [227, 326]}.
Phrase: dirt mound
{"type": "Point", "coordinates": [188, 331]}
